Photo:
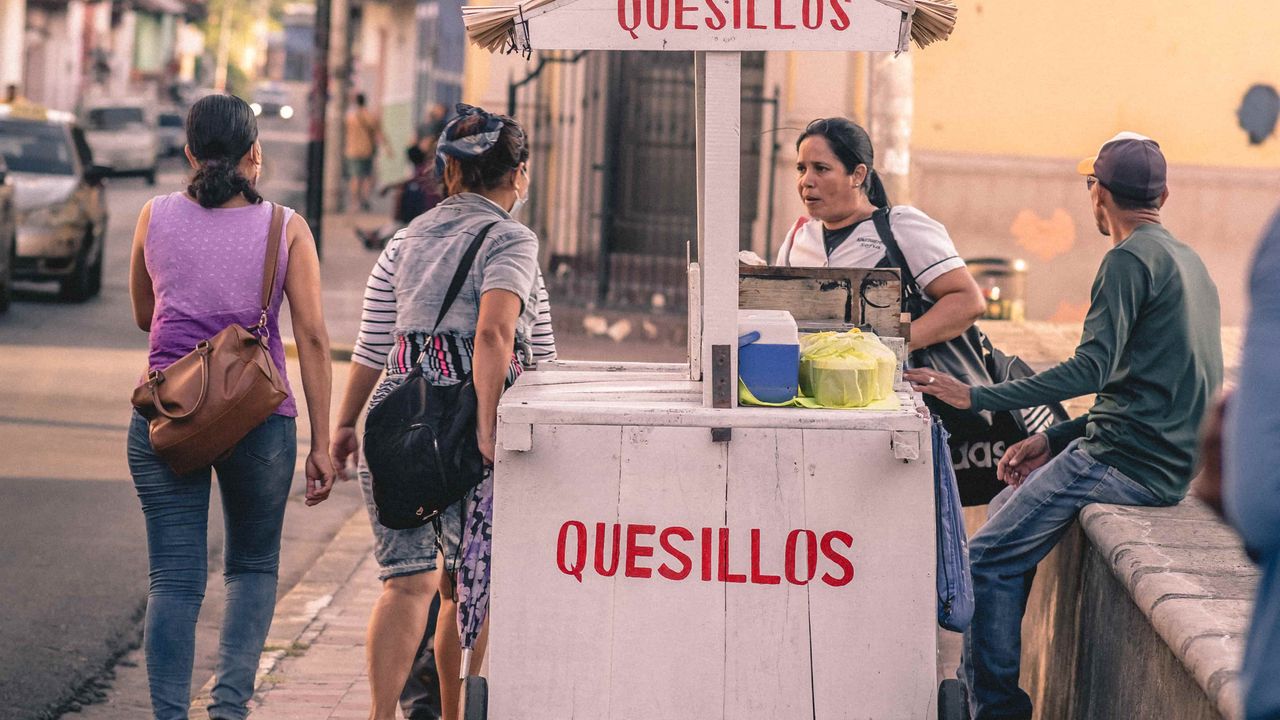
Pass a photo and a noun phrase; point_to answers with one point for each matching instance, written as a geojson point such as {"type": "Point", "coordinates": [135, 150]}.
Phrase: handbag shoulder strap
{"type": "Point", "coordinates": [460, 275]}
{"type": "Point", "coordinates": [892, 250]}
{"type": "Point", "coordinates": [913, 297]}
{"type": "Point", "coordinates": [272, 262]}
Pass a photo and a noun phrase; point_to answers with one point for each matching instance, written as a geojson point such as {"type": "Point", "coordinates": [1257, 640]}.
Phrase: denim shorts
{"type": "Point", "coordinates": [409, 552]}
{"type": "Point", "coordinates": [359, 167]}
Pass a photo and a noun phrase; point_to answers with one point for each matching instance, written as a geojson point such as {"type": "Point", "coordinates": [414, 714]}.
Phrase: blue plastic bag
{"type": "Point", "coordinates": [955, 585]}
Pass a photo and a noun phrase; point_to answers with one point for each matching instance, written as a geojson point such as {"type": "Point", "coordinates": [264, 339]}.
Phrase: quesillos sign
{"type": "Point", "coordinates": [732, 25]}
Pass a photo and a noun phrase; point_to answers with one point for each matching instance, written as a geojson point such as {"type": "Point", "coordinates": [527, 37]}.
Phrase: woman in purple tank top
{"type": "Point", "coordinates": [196, 268]}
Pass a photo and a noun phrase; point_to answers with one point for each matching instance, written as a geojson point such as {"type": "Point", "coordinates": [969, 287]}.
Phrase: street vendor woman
{"type": "Point", "coordinates": [841, 192]}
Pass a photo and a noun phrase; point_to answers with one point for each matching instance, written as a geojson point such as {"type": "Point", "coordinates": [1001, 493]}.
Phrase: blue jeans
{"type": "Point", "coordinates": [1024, 524]}
{"type": "Point", "coordinates": [254, 482]}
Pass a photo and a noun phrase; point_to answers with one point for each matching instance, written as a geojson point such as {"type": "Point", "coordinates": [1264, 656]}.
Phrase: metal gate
{"type": "Point", "coordinates": [649, 219]}
{"type": "Point", "coordinates": [634, 187]}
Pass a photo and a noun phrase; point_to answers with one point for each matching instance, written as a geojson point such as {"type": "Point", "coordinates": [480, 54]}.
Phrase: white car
{"type": "Point", "coordinates": [59, 199]}
{"type": "Point", "coordinates": [123, 137]}
{"type": "Point", "coordinates": [271, 101]}
{"type": "Point", "coordinates": [173, 136]}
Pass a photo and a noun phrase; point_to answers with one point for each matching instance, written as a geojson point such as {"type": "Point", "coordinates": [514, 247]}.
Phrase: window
{"type": "Point", "coordinates": [115, 118]}
{"type": "Point", "coordinates": [35, 147]}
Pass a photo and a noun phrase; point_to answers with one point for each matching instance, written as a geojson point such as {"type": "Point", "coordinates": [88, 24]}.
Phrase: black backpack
{"type": "Point", "coordinates": [420, 440]}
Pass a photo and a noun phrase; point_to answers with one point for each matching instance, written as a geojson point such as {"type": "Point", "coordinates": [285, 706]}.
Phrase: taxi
{"type": "Point", "coordinates": [59, 199]}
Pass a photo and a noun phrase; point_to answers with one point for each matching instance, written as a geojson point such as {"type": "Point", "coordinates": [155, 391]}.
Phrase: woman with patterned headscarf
{"type": "Point", "coordinates": [483, 160]}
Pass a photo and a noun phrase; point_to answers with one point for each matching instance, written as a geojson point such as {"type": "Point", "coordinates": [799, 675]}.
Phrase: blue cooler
{"type": "Point", "coordinates": [769, 354]}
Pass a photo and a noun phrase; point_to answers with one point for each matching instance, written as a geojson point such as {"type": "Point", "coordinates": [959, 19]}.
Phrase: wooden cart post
{"type": "Point", "coordinates": [719, 133]}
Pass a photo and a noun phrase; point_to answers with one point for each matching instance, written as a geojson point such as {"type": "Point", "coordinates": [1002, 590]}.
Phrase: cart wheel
{"type": "Point", "coordinates": [952, 704]}
{"type": "Point", "coordinates": [475, 699]}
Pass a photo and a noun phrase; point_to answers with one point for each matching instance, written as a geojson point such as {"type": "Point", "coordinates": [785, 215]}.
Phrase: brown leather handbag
{"type": "Point", "coordinates": [207, 401]}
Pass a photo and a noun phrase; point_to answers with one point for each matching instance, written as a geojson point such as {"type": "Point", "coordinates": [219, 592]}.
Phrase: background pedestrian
{"type": "Point", "coordinates": [363, 136]}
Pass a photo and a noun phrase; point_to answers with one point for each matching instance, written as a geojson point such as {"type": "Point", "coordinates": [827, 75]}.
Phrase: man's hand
{"type": "Point", "coordinates": [320, 476]}
{"type": "Point", "coordinates": [1023, 458]}
{"type": "Point", "coordinates": [1208, 482]}
{"type": "Point", "coordinates": [344, 448]}
{"type": "Point", "coordinates": [940, 385]}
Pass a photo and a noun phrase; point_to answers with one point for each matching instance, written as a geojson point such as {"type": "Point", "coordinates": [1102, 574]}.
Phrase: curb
{"type": "Point", "coordinates": [294, 625]}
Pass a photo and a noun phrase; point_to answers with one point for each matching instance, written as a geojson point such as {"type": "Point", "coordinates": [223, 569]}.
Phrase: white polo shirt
{"type": "Point", "coordinates": [925, 244]}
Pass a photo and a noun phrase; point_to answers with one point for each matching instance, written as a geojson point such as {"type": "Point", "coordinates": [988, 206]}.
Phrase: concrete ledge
{"type": "Point", "coordinates": [1139, 613]}
{"type": "Point", "coordinates": [1188, 575]}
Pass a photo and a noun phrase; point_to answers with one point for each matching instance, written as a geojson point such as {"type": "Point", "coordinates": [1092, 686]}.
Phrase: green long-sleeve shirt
{"type": "Point", "coordinates": [1151, 350]}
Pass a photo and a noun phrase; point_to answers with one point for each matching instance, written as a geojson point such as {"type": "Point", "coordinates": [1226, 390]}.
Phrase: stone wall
{"type": "Point", "coordinates": [1139, 613]}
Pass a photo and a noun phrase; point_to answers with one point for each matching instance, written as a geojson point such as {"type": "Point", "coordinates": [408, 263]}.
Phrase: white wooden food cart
{"type": "Point", "coordinates": [660, 552]}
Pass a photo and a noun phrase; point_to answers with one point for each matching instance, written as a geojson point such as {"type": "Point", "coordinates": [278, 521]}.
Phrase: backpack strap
{"type": "Point", "coordinates": [455, 287]}
{"type": "Point", "coordinates": [460, 275]}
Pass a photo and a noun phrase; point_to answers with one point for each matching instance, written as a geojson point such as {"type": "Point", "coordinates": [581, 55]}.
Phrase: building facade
{"type": "Point", "coordinates": [406, 56]}
{"type": "Point", "coordinates": [72, 49]}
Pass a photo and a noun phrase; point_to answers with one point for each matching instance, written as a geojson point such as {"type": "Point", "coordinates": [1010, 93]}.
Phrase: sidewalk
{"type": "Point", "coordinates": [314, 664]}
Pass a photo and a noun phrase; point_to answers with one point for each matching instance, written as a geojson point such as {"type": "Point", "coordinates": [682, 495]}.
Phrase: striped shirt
{"type": "Point", "coordinates": [450, 355]}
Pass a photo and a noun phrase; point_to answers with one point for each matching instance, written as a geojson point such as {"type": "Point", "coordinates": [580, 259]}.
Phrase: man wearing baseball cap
{"type": "Point", "coordinates": [1151, 350]}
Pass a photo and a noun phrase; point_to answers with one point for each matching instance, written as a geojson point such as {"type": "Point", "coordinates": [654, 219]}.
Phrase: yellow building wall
{"type": "Point", "coordinates": [1055, 79]}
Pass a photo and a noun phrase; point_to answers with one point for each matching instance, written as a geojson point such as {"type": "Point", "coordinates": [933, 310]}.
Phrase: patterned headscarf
{"type": "Point", "coordinates": [464, 147]}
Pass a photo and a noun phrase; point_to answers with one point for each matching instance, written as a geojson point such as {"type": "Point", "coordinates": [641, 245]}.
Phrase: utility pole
{"type": "Point", "coordinates": [891, 111]}
{"type": "Point", "coordinates": [317, 102]}
{"type": "Point", "coordinates": [339, 52]}
{"type": "Point", "coordinates": [224, 48]}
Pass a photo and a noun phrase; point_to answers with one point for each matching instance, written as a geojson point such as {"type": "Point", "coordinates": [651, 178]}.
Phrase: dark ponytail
{"type": "Point", "coordinates": [220, 130]}
{"type": "Point", "coordinates": [852, 145]}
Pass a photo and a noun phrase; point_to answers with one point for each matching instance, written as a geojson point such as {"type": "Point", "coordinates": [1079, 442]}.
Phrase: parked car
{"type": "Point", "coordinates": [59, 197]}
{"type": "Point", "coordinates": [271, 101]}
{"type": "Point", "coordinates": [8, 236]}
{"type": "Point", "coordinates": [172, 134]}
{"type": "Point", "coordinates": [123, 137]}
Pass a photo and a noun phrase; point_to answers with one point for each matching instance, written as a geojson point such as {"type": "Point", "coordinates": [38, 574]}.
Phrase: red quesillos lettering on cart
{"type": "Point", "coordinates": [802, 555]}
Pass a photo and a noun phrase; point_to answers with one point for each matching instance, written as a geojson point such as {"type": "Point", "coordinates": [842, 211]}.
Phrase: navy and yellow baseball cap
{"type": "Point", "coordinates": [1130, 165]}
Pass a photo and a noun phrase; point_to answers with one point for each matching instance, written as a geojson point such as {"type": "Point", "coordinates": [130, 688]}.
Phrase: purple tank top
{"type": "Point", "coordinates": [206, 271]}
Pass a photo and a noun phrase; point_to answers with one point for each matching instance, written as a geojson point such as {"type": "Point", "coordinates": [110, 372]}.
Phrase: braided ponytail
{"type": "Point", "coordinates": [218, 180]}
{"type": "Point", "coordinates": [220, 130]}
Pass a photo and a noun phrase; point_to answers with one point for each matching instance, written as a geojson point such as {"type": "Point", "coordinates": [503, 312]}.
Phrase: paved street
{"type": "Point", "coordinates": [73, 546]}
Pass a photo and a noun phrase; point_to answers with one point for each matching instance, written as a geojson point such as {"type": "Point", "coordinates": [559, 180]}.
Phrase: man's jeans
{"type": "Point", "coordinates": [254, 482]}
{"type": "Point", "coordinates": [1023, 526]}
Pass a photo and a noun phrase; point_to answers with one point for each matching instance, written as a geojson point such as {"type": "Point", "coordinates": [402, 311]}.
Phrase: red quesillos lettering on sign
{"type": "Point", "coordinates": [766, 15]}
{"type": "Point", "coordinates": [803, 554]}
